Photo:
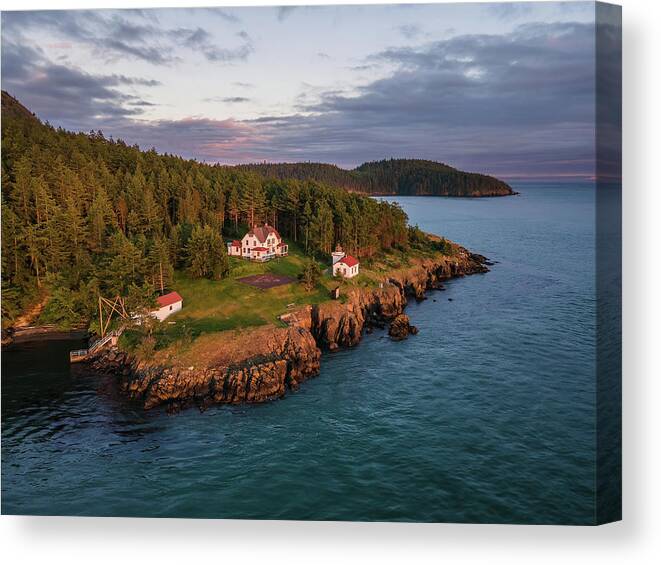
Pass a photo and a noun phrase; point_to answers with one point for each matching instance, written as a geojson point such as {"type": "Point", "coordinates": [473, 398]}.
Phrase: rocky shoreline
{"type": "Point", "coordinates": [279, 359]}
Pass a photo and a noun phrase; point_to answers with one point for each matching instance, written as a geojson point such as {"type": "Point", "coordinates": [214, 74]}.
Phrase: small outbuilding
{"type": "Point", "coordinates": [168, 304]}
{"type": "Point", "coordinates": [234, 248]}
{"type": "Point", "coordinates": [344, 265]}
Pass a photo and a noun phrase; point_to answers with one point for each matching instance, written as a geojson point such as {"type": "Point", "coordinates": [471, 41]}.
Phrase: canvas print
{"type": "Point", "coordinates": [354, 263]}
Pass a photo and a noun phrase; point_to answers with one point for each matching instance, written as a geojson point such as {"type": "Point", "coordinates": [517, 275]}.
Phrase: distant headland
{"type": "Point", "coordinates": [390, 177]}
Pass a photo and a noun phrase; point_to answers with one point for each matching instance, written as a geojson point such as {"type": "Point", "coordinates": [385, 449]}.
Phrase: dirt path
{"type": "Point", "coordinates": [32, 313]}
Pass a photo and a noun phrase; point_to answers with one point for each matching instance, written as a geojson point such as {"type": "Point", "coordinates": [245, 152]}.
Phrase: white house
{"type": "Point", "coordinates": [167, 304]}
{"type": "Point", "coordinates": [234, 248]}
{"type": "Point", "coordinates": [344, 265]}
{"type": "Point", "coordinates": [261, 243]}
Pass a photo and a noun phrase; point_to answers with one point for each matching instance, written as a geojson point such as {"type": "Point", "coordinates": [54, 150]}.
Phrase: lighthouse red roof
{"type": "Point", "coordinates": [349, 261]}
{"type": "Point", "coordinates": [169, 298]}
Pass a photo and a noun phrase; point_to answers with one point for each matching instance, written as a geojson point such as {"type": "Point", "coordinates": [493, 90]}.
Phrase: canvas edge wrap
{"type": "Point", "coordinates": [608, 173]}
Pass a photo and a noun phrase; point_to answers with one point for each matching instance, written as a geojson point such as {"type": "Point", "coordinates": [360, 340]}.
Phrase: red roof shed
{"type": "Point", "coordinates": [169, 298]}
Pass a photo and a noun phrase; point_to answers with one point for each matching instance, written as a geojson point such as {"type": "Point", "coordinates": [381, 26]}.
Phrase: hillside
{"type": "Point", "coordinates": [84, 216]}
{"type": "Point", "coordinates": [12, 108]}
{"type": "Point", "coordinates": [401, 177]}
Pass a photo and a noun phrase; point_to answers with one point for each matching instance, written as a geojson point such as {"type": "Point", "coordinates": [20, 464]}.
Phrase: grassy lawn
{"type": "Point", "coordinates": [215, 306]}
{"type": "Point", "coordinates": [241, 305]}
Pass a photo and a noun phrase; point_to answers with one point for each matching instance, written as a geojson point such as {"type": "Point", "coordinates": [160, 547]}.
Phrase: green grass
{"type": "Point", "coordinates": [216, 306]}
{"type": "Point", "coordinates": [230, 299]}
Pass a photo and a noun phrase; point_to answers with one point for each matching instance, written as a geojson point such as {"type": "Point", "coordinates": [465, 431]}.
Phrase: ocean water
{"type": "Point", "coordinates": [487, 415]}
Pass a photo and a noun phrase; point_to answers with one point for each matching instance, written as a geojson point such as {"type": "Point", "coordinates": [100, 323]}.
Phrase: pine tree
{"type": "Point", "coordinates": [101, 219]}
{"type": "Point", "coordinates": [36, 243]}
{"type": "Point", "coordinates": [189, 202]}
{"type": "Point", "coordinates": [293, 203]}
{"type": "Point", "coordinates": [151, 214]}
{"type": "Point", "coordinates": [123, 266]}
{"type": "Point", "coordinates": [322, 228]}
{"type": "Point", "coordinates": [159, 265]}
{"type": "Point", "coordinates": [122, 209]}
{"type": "Point", "coordinates": [13, 256]}
{"type": "Point", "coordinates": [310, 275]}
{"type": "Point", "coordinates": [306, 220]}
{"type": "Point", "coordinates": [253, 200]}
{"type": "Point", "coordinates": [21, 191]}
{"type": "Point", "coordinates": [233, 206]}
{"type": "Point", "coordinates": [207, 257]}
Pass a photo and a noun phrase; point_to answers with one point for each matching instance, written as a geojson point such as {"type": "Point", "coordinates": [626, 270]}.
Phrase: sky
{"type": "Point", "coordinates": [503, 89]}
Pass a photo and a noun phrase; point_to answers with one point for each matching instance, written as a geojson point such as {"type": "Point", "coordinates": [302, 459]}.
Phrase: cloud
{"type": "Point", "coordinates": [363, 67]}
{"type": "Point", "coordinates": [541, 73]}
{"type": "Point", "coordinates": [228, 99]}
{"type": "Point", "coordinates": [283, 12]}
{"type": "Point", "coordinates": [199, 138]}
{"type": "Point", "coordinates": [76, 100]}
{"type": "Point", "coordinates": [409, 31]}
{"type": "Point", "coordinates": [67, 95]}
{"type": "Point", "coordinates": [224, 14]}
{"type": "Point", "coordinates": [509, 10]}
{"type": "Point", "coordinates": [129, 33]}
{"type": "Point", "coordinates": [201, 40]}
{"type": "Point", "coordinates": [108, 34]}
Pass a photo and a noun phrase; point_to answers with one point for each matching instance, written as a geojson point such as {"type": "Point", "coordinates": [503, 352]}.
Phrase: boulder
{"type": "Point", "coordinates": [400, 328]}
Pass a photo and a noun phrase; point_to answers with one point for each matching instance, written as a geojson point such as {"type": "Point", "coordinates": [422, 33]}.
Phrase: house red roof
{"type": "Point", "coordinates": [236, 243]}
{"type": "Point", "coordinates": [259, 249]}
{"type": "Point", "coordinates": [262, 232]}
{"type": "Point", "coordinates": [349, 261]}
{"type": "Point", "coordinates": [169, 298]}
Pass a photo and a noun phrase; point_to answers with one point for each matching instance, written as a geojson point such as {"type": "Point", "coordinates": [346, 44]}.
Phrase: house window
{"type": "Point", "coordinates": [170, 307]}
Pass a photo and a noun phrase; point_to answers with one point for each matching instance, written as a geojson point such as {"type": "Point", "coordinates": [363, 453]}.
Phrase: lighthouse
{"type": "Point", "coordinates": [337, 254]}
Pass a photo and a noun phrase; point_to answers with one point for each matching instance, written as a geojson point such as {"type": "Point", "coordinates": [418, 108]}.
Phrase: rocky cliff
{"type": "Point", "coordinates": [278, 359]}
{"type": "Point", "coordinates": [261, 364]}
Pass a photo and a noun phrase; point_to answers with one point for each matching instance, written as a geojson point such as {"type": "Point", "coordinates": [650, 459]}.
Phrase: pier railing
{"type": "Point", "coordinates": [82, 354]}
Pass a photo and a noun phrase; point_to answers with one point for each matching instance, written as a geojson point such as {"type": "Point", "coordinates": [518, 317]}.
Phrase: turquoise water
{"type": "Point", "coordinates": [487, 415]}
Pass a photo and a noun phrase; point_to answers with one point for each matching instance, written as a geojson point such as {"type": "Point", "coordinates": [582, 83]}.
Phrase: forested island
{"type": "Point", "coordinates": [86, 218]}
{"type": "Point", "coordinates": [391, 177]}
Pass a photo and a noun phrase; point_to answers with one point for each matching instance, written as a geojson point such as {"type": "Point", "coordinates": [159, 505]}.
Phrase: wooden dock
{"type": "Point", "coordinates": [79, 355]}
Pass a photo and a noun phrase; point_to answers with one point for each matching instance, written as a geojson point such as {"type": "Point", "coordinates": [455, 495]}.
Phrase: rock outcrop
{"type": "Point", "coordinates": [261, 364]}
{"type": "Point", "coordinates": [288, 358]}
{"type": "Point", "coordinates": [400, 328]}
{"type": "Point", "coordinates": [334, 324]}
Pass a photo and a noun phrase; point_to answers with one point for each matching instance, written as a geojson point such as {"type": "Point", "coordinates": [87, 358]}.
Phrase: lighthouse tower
{"type": "Point", "coordinates": [337, 254]}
